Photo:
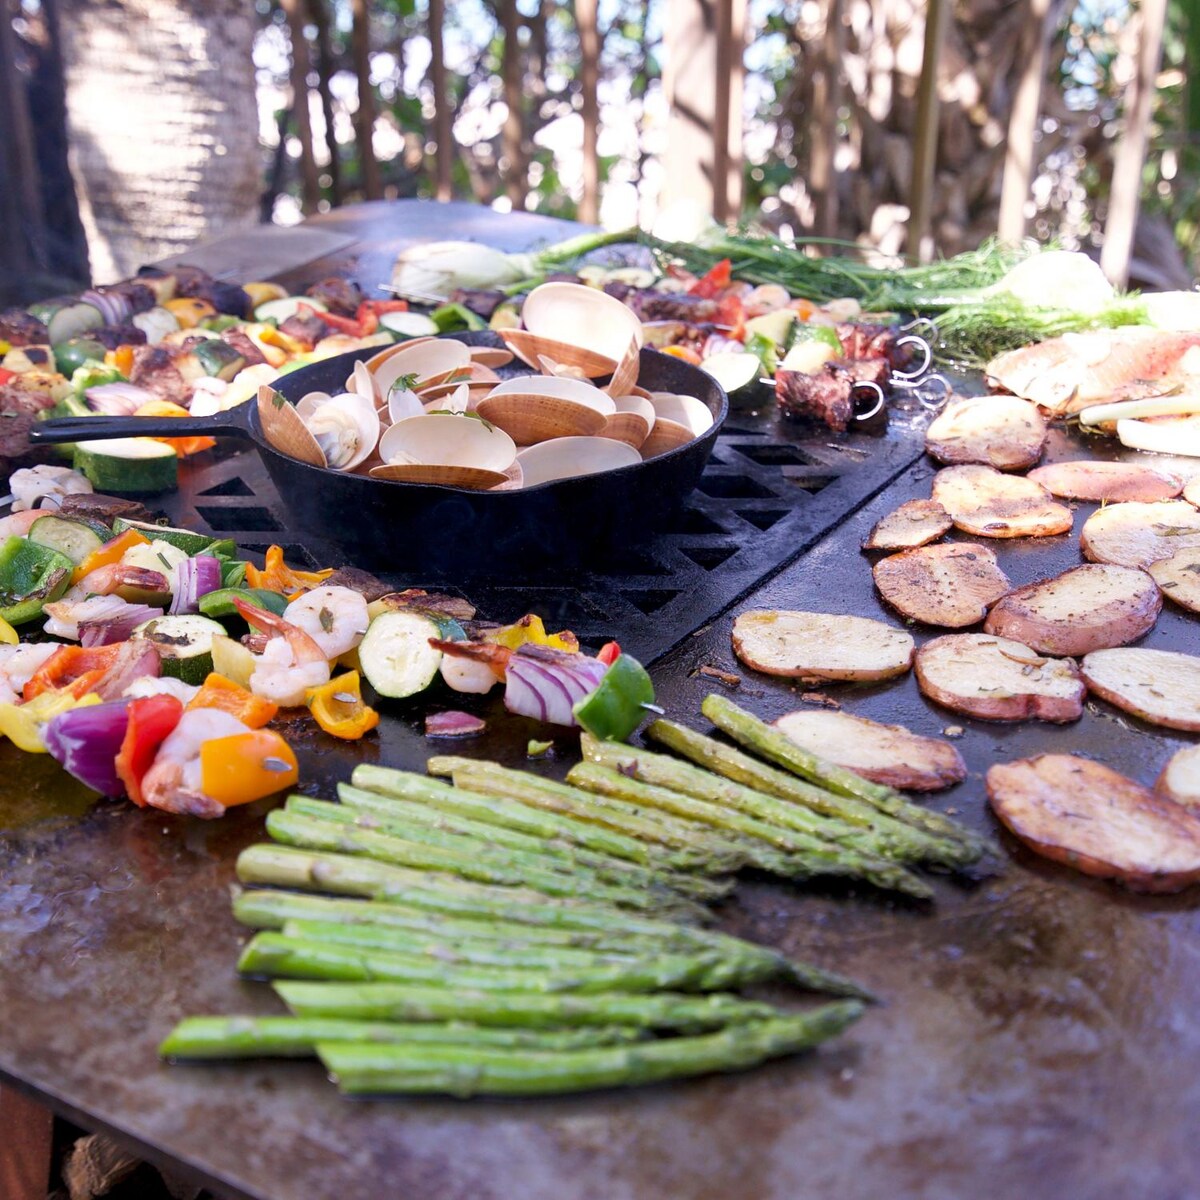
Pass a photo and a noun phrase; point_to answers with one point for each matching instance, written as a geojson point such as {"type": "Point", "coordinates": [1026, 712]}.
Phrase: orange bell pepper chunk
{"type": "Point", "coordinates": [683, 352]}
{"type": "Point", "coordinates": [276, 576]}
{"type": "Point", "coordinates": [246, 766]}
{"type": "Point", "coordinates": [337, 706]}
{"type": "Point", "coordinates": [111, 552]}
{"type": "Point", "coordinates": [73, 669]}
{"type": "Point", "coordinates": [183, 446]}
{"type": "Point", "coordinates": [220, 692]}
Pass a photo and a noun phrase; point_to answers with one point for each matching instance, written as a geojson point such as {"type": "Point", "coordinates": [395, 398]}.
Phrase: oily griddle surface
{"type": "Point", "coordinates": [1037, 1036]}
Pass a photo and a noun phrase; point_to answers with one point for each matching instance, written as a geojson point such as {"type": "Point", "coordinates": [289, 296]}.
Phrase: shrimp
{"type": "Point", "coordinates": [173, 782]}
{"type": "Point", "coordinates": [47, 484]}
{"type": "Point", "coordinates": [18, 664]}
{"type": "Point", "coordinates": [19, 522]}
{"type": "Point", "coordinates": [334, 617]}
{"type": "Point", "coordinates": [291, 662]}
{"type": "Point", "coordinates": [107, 581]}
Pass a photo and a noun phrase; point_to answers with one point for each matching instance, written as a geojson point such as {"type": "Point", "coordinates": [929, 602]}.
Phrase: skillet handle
{"type": "Point", "coordinates": [83, 429]}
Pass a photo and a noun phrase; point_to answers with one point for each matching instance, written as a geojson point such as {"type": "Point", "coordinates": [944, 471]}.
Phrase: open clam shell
{"type": "Point", "coordinates": [625, 377]}
{"type": "Point", "coordinates": [363, 382]}
{"type": "Point", "coordinates": [345, 427]}
{"type": "Point", "coordinates": [428, 362]}
{"type": "Point", "coordinates": [581, 316]}
{"type": "Point", "coordinates": [632, 421]}
{"type": "Point", "coordinates": [285, 430]}
{"type": "Point", "coordinates": [683, 410]}
{"type": "Point", "coordinates": [453, 443]}
{"type": "Point", "coordinates": [539, 407]}
{"type": "Point", "coordinates": [557, 358]}
{"type": "Point", "coordinates": [666, 435]}
{"type": "Point", "coordinates": [475, 478]}
{"type": "Point", "coordinates": [491, 356]}
{"type": "Point", "coordinates": [568, 457]}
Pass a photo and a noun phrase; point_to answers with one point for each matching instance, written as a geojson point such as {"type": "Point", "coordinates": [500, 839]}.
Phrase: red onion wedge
{"type": "Point", "coordinates": [194, 577]}
{"type": "Point", "coordinates": [547, 684]}
{"type": "Point", "coordinates": [135, 660]}
{"type": "Point", "coordinates": [117, 399]}
{"type": "Point", "coordinates": [86, 741]}
{"type": "Point", "coordinates": [104, 631]}
{"type": "Point", "coordinates": [453, 725]}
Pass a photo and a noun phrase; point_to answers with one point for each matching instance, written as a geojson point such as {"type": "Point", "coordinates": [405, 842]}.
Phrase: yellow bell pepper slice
{"type": "Point", "coordinates": [246, 767]}
{"type": "Point", "coordinates": [531, 630]}
{"type": "Point", "coordinates": [338, 707]}
{"type": "Point", "coordinates": [22, 723]}
{"type": "Point", "coordinates": [277, 576]}
{"type": "Point", "coordinates": [8, 635]}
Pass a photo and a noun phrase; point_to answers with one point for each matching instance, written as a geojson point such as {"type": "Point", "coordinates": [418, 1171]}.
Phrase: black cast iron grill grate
{"type": "Point", "coordinates": [771, 490]}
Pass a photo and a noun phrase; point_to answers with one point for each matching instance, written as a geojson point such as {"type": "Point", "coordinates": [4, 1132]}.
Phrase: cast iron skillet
{"type": "Point", "coordinates": [381, 524]}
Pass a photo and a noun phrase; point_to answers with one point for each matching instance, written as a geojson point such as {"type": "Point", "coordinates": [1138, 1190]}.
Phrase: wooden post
{"type": "Point", "coordinates": [512, 136]}
{"type": "Point", "coordinates": [827, 98]}
{"type": "Point", "coordinates": [1125, 195]}
{"type": "Point", "coordinates": [920, 244]}
{"type": "Point", "coordinates": [25, 1147]}
{"type": "Point", "coordinates": [443, 131]}
{"type": "Point", "coordinates": [310, 186]}
{"type": "Point", "coordinates": [325, 67]}
{"type": "Point", "coordinates": [702, 79]}
{"type": "Point", "coordinates": [364, 120]}
{"type": "Point", "coordinates": [589, 79]}
{"type": "Point", "coordinates": [1022, 122]}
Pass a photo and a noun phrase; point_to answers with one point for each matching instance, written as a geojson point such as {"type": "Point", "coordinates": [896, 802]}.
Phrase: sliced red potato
{"type": "Point", "coordinates": [1089, 479]}
{"type": "Point", "coordinates": [1160, 686]}
{"type": "Point", "coordinates": [1001, 431]}
{"type": "Point", "coordinates": [950, 585]}
{"type": "Point", "coordinates": [820, 646]}
{"type": "Point", "coordinates": [1179, 577]}
{"type": "Point", "coordinates": [997, 679]}
{"type": "Point", "coordinates": [1086, 608]}
{"type": "Point", "coordinates": [988, 503]}
{"type": "Point", "coordinates": [914, 523]}
{"type": "Point", "coordinates": [1180, 778]}
{"type": "Point", "coordinates": [1135, 534]}
{"type": "Point", "coordinates": [887, 754]}
{"type": "Point", "coordinates": [1086, 815]}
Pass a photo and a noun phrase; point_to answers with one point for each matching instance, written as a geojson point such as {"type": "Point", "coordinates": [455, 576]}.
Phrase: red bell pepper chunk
{"type": "Point", "coordinates": [5, 376]}
{"type": "Point", "coordinates": [609, 653]}
{"type": "Point", "coordinates": [731, 315]}
{"type": "Point", "coordinates": [356, 326]}
{"type": "Point", "coordinates": [379, 307]}
{"type": "Point", "coordinates": [715, 281]}
{"type": "Point", "coordinates": [73, 668]}
{"type": "Point", "coordinates": [151, 721]}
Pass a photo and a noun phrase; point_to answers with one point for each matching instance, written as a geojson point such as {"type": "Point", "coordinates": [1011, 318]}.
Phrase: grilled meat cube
{"type": "Point", "coordinates": [306, 329]}
{"type": "Point", "coordinates": [871, 341]}
{"type": "Point", "coordinates": [341, 296]}
{"type": "Point", "coordinates": [363, 582]}
{"type": "Point", "coordinates": [140, 296]}
{"type": "Point", "coordinates": [827, 397]}
{"type": "Point", "coordinates": [482, 302]}
{"type": "Point", "coordinates": [657, 306]}
{"type": "Point", "coordinates": [244, 346]}
{"type": "Point", "coordinates": [18, 328]}
{"type": "Point", "coordinates": [154, 369]}
{"type": "Point", "coordinates": [95, 507]}
{"type": "Point", "coordinates": [872, 369]}
{"type": "Point", "coordinates": [113, 336]}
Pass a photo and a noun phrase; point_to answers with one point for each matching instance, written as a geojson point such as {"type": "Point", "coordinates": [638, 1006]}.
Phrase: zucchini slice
{"type": "Point", "coordinates": [128, 465]}
{"type": "Point", "coordinates": [184, 643]}
{"type": "Point", "coordinates": [72, 538]}
{"type": "Point", "coordinates": [187, 540]}
{"type": "Point", "coordinates": [396, 656]}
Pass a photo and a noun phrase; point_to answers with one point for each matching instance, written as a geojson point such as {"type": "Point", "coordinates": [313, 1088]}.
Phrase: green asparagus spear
{"type": "Point", "coordinates": [756, 735]}
{"type": "Point", "coordinates": [399, 1002]}
{"type": "Point", "coordinates": [274, 956]}
{"type": "Point", "coordinates": [420, 824]}
{"type": "Point", "coordinates": [708, 850]}
{"type": "Point", "coordinates": [465, 1071]}
{"type": "Point", "coordinates": [296, 1037]}
{"type": "Point", "coordinates": [511, 814]}
{"type": "Point", "coordinates": [901, 842]}
{"type": "Point", "coordinates": [296, 830]}
{"type": "Point", "coordinates": [274, 909]}
{"type": "Point", "coordinates": [803, 854]}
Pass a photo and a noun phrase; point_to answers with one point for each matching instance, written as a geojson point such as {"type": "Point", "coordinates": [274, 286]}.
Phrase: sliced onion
{"type": "Point", "coordinates": [135, 660]}
{"type": "Point", "coordinates": [194, 577]}
{"type": "Point", "coordinates": [66, 616]}
{"type": "Point", "coordinates": [118, 627]}
{"type": "Point", "coordinates": [453, 725]}
{"type": "Point", "coordinates": [547, 684]}
{"type": "Point", "coordinates": [114, 309]}
{"type": "Point", "coordinates": [86, 742]}
{"type": "Point", "coordinates": [117, 399]}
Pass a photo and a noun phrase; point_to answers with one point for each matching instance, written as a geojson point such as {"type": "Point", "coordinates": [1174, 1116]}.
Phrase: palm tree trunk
{"type": "Point", "coordinates": [310, 185]}
{"type": "Point", "coordinates": [163, 124]}
{"type": "Point", "coordinates": [512, 135]}
{"type": "Point", "coordinates": [325, 68]}
{"type": "Point", "coordinates": [443, 133]}
{"type": "Point", "coordinates": [364, 121]}
{"type": "Point", "coordinates": [589, 77]}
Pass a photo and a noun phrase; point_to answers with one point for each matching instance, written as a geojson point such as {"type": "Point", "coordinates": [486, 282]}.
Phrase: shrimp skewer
{"type": "Point", "coordinates": [334, 617]}
{"type": "Point", "coordinates": [173, 783]}
{"type": "Point", "coordinates": [291, 662]}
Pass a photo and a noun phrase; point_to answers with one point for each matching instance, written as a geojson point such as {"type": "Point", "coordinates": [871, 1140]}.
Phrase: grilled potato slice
{"type": "Point", "coordinates": [1160, 686]}
{"type": "Point", "coordinates": [1087, 608]}
{"type": "Point", "coordinates": [950, 585]}
{"type": "Point", "coordinates": [820, 646]}
{"type": "Point", "coordinates": [887, 754]}
{"type": "Point", "coordinates": [1191, 493]}
{"type": "Point", "coordinates": [997, 679]}
{"type": "Point", "coordinates": [1180, 778]}
{"type": "Point", "coordinates": [1134, 534]}
{"type": "Point", "coordinates": [1179, 577]}
{"type": "Point", "coordinates": [1088, 816]}
{"type": "Point", "coordinates": [1001, 431]}
{"type": "Point", "coordinates": [1088, 479]}
{"type": "Point", "coordinates": [988, 503]}
{"type": "Point", "coordinates": [914, 523]}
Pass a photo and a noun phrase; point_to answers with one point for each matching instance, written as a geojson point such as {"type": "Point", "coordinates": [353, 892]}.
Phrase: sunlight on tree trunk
{"type": "Point", "coordinates": [827, 99]}
{"type": "Point", "coordinates": [364, 119]}
{"type": "Point", "coordinates": [325, 69]}
{"type": "Point", "coordinates": [310, 187]}
{"type": "Point", "coordinates": [163, 123]}
{"type": "Point", "coordinates": [512, 148]}
{"type": "Point", "coordinates": [589, 81]}
{"type": "Point", "coordinates": [442, 129]}
{"type": "Point", "coordinates": [920, 245]}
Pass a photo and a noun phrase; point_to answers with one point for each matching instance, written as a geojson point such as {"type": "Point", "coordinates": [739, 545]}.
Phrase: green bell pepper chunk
{"type": "Point", "coordinates": [233, 574]}
{"type": "Point", "coordinates": [617, 706]}
{"type": "Point", "coordinates": [31, 576]}
{"type": "Point", "coordinates": [219, 604]}
{"type": "Point", "coordinates": [452, 317]}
